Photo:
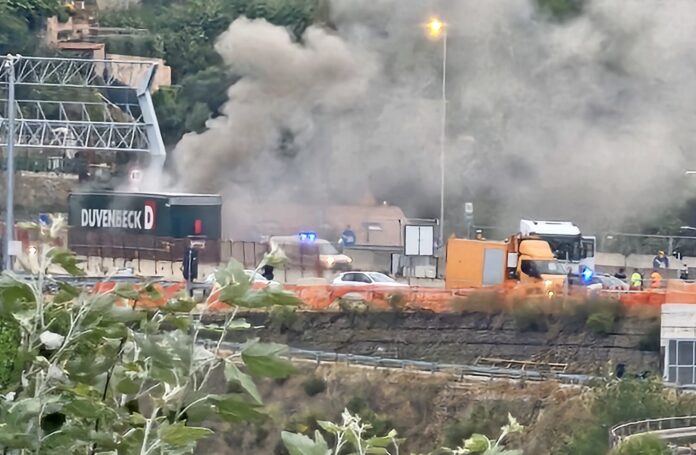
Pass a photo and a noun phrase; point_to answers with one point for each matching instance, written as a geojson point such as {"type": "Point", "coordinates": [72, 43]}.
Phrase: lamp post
{"type": "Point", "coordinates": [10, 169]}
{"type": "Point", "coordinates": [437, 28]}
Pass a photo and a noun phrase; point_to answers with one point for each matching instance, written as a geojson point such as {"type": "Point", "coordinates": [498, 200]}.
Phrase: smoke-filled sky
{"type": "Point", "coordinates": [591, 120]}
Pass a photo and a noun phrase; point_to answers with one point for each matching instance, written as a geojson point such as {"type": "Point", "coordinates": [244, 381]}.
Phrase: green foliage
{"type": "Point", "coordinates": [601, 323]}
{"type": "Point", "coordinates": [314, 386]}
{"type": "Point", "coordinates": [644, 445]}
{"type": "Point", "coordinates": [9, 352]}
{"type": "Point", "coordinates": [529, 318]}
{"type": "Point", "coordinates": [484, 419]}
{"type": "Point", "coordinates": [598, 315]}
{"type": "Point", "coordinates": [355, 436]}
{"type": "Point", "coordinates": [352, 434]}
{"type": "Point", "coordinates": [623, 401]}
{"type": "Point", "coordinates": [15, 36]}
{"type": "Point", "coordinates": [88, 367]}
{"type": "Point", "coordinates": [282, 318]}
{"type": "Point", "coordinates": [184, 34]}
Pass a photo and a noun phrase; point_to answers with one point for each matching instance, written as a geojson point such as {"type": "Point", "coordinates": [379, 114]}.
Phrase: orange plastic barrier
{"type": "Point", "coordinates": [679, 291]}
{"type": "Point", "coordinates": [321, 297]}
{"type": "Point", "coordinates": [166, 293]}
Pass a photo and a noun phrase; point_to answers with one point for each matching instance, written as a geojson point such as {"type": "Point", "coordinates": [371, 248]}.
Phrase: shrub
{"type": "Point", "coordinates": [601, 323]}
{"type": "Point", "coordinates": [529, 318]}
{"type": "Point", "coordinates": [356, 404]}
{"type": "Point", "coordinates": [479, 302]}
{"type": "Point", "coordinates": [624, 401]}
{"type": "Point", "coordinates": [282, 318]}
{"type": "Point", "coordinates": [643, 445]}
{"type": "Point", "coordinates": [314, 386]}
{"type": "Point", "coordinates": [485, 418]}
{"type": "Point", "coordinates": [651, 340]}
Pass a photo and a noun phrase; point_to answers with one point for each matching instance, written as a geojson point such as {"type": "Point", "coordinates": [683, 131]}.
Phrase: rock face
{"type": "Point", "coordinates": [461, 338]}
{"type": "Point", "coordinates": [39, 192]}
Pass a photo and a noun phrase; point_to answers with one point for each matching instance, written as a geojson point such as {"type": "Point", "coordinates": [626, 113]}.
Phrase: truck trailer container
{"type": "Point", "coordinates": [143, 225]}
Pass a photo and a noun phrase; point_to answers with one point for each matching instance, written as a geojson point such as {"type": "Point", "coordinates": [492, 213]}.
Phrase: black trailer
{"type": "Point", "coordinates": [143, 225]}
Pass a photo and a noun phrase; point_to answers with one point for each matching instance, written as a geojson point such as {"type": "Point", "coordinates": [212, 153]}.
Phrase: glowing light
{"type": "Point", "coordinates": [436, 27]}
{"type": "Point", "coordinates": [308, 237]}
{"type": "Point", "coordinates": [587, 275]}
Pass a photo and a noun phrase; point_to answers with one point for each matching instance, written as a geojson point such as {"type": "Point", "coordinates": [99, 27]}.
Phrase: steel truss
{"type": "Point", "coordinates": [127, 123]}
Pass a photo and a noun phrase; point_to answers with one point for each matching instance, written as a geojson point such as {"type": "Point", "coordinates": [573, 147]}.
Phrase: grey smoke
{"type": "Point", "coordinates": [590, 120]}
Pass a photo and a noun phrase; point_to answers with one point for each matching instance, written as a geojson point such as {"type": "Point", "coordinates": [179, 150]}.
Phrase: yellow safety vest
{"type": "Point", "coordinates": [636, 279]}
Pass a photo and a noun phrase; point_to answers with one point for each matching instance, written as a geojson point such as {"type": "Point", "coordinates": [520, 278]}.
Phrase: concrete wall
{"type": "Point", "coordinates": [610, 262]}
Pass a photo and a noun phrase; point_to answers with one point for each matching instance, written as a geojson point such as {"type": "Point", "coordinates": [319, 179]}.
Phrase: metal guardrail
{"type": "Point", "coordinates": [622, 432]}
{"type": "Point", "coordinates": [457, 371]}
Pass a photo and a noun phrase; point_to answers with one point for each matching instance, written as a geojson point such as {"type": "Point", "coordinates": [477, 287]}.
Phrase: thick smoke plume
{"type": "Point", "coordinates": [589, 120]}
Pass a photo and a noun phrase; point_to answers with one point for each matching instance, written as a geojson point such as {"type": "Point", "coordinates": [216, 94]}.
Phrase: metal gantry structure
{"type": "Point", "coordinates": [117, 116]}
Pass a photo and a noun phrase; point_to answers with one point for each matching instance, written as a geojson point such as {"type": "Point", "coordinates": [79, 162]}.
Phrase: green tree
{"type": "Point", "coordinates": [183, 33]}
{"type": "Point", "coordinates": [644, 445]}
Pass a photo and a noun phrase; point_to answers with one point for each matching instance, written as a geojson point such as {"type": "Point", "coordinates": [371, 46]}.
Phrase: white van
{"type": "Point", "coordinates": [305, 253]}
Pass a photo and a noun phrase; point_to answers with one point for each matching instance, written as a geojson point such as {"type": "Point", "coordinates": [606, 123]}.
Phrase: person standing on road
{"type": "Point", "coordinates": [684, 273]}
{"type": "Point", "coordinates": [660, 261]}
{"type": "Point", "coordinates": [636, 280]}
{"type": "Point", "coordinates": [348, 237]}
{"type": "Point", "coordinates": [621, 274]}
{"type": "Point", "coordinates": [655, 279]}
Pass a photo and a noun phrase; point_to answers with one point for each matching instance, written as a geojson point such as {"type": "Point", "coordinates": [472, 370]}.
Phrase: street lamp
{"type": "Point", "coordinates": [10, 170]}
{"type": "Point", "coordinates": [437, 28]}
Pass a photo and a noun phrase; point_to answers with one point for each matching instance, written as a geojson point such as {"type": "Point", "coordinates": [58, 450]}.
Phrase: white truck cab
{"type": "Point", "coordinates": [568, 244]}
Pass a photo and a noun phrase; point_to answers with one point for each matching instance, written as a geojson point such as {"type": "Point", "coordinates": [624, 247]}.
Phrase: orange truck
{"type": "Point", "coordinates": [520, 262]}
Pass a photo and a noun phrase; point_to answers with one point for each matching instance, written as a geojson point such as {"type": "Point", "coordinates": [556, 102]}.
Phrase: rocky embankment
{"type": "Point", "coordinates": [462, 338]}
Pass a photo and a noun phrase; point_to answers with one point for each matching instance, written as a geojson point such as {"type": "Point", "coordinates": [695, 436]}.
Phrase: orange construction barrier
{"type": "Point", "coordinates": [166, 293]}
{"type": "Point", "coordinates": [320, 297]}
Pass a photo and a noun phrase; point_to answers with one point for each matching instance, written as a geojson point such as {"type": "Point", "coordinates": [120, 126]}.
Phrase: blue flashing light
{"type": "Point", "coordinates": [308, 237]}
{"type": "Point", "coordinates": [587, 275]}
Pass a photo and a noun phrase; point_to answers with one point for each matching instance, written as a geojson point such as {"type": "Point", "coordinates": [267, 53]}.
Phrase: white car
{"type": "Point", "coordinates": [366, 279]}
{"type": "Point", "coordinates": [612, 283]}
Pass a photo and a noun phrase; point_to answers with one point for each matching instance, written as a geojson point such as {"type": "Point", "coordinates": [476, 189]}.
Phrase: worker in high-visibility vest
{"type": "Point", "coordinates": [655, 279]}
{"type": "Point", "coordinates": [636, 280]}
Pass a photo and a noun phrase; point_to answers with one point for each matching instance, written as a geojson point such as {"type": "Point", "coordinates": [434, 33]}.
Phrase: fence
{"type": "Point", "coordinates": [668, 428]}
{"type": "Point", "coordinates": [627, 244]}
{"type": "Point", "coordinates": [57, 164]}
{"type": "Point", "coordinates": [457, 371]}
{"type": "Point", "coordinates": [137, 246]}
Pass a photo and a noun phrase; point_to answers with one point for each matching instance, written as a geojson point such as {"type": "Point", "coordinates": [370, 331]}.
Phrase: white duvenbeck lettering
{"type": "Point", "coordinates": [126, 219]}
{"type": "Point", "coordinates": [149, 217]}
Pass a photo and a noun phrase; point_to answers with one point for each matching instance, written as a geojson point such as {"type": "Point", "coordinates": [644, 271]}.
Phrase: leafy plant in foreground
{"type": "Point", "coordinates": [351, 438]}
{"type": "Point", "coordinates": [101, 375]}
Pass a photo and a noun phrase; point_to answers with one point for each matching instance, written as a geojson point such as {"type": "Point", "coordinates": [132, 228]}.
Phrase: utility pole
{"type": "Point", "coordinates": [10, 169]}
{"type": "Point", "coordinates": [443, 132]}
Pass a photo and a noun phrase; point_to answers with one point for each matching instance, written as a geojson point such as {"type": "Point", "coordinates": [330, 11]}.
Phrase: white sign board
{"type": "Point", "coordinates": [15, 248]}
{"type": "Point", "coordinates": [419, 240]}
